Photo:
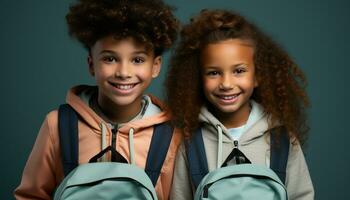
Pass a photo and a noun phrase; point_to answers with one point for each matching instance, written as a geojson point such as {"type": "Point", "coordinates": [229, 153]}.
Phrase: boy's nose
{"type": "Point", "coordinates": [123, 71]}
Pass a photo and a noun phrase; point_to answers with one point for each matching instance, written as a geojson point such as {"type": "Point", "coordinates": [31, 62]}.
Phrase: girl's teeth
{"type": "Point", "coordinates": [229, 97]}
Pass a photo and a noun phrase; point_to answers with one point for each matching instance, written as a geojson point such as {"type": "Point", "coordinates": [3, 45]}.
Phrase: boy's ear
{"type": "Point", "coordinates": [91, 65]}
{"type": "Point", "coordinates": [157, 63]}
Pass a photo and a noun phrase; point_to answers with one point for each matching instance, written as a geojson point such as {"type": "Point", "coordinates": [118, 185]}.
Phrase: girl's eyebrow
{"type": "Point", "coordinates": [210, 67]}
{"type": "Point", "coordinates": [216, 67]}
{"type": "Point", "coordinates": [240, 64]}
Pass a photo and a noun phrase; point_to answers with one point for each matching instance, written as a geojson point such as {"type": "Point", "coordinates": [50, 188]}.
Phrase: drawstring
{"type": "Point", "coordinates": [131, 146]}
{"type": "Point", "coordinates": [219, 161]}
{"type": "Point", "coordinates": [103, 141]}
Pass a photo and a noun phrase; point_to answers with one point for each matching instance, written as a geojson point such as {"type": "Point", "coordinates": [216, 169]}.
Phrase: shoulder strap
{"type": "Point", "coordinates": [68, 134]}
{"type": "Point", "coordinates": [158, 150]}
{"type": "Point", "coordinates": [197, 159]}
{"type": "Point", "coordinates": [279, 153]}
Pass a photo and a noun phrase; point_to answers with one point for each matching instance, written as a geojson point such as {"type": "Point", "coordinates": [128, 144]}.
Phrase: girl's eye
{"type": "Point", "coordinates": [212, 73]}
{"type": "Point", "coordinates": [239, 71]}
{"type": "Point", "coordinates": [138, 60]}
{"type": "Point", "coordinates": [109, 59]}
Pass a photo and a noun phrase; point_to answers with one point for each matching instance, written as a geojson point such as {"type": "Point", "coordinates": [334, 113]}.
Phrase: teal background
{"type": "Point", "coordinates": [39, 63]}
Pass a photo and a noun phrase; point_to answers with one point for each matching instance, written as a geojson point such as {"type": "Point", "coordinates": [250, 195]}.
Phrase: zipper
{"type": "Point", "coordinates": [114, 136]}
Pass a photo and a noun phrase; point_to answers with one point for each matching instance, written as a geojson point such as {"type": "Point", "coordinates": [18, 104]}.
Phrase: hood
{"type": "Point", "coordinates": [77, 98]}
{"type": "Point", "coordinates": [255, 127]}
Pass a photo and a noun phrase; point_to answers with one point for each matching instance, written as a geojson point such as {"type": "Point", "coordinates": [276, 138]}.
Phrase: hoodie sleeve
{"type": "Point", "coordinates": [181, 187]}
{"type": "Point", "coordinates": [39, 177]}
{"type": "Point", "coordinates": [298, 180]}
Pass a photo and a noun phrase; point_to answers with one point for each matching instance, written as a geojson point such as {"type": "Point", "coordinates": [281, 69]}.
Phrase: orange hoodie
{"type": "Point", "coordinates": [43, 171]}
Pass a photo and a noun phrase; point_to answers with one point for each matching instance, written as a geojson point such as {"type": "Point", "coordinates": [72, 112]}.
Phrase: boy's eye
{"type": "Point", "coordinates": [109, 59]}
{"type": "Point", "coordinates": [138, 60]}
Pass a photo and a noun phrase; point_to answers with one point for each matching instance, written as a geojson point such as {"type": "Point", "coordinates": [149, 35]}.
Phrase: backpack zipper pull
{"type": "Point", "coordinates": [237, 157]}
{"type": "Point", "coordinates": [235, 144]}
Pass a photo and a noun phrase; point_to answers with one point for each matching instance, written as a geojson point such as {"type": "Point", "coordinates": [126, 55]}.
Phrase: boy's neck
{"type": "Point", "coordinates": [119, 114]}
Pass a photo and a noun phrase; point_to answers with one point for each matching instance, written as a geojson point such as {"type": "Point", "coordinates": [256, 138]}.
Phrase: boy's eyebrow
{"type": "Point", "coordinates": [135, 52]}
{"type": "Point", "coordinates": [141, 52]}
{"type": "Point", "coordinates": [107, 51]}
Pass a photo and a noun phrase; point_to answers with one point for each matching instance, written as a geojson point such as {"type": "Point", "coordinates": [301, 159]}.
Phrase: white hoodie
{"type": "Point", "coordinates": [254, 143]}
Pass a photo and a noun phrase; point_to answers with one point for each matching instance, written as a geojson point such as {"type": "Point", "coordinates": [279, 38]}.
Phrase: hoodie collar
{"type": "Point", "coordinates": [77, 97]}
{"type": "Point", "coordinates": [254, 127]}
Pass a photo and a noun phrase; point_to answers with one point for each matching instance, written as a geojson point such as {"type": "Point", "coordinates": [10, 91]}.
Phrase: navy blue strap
{"type": "Point", "coordinates": [158, 150]}
{"type": "Point", "coordinates": [68, 134]}
{"type": "Point", "coordinates": [197, 159]}
{"type": "Point", "coordinates": [279, 153]}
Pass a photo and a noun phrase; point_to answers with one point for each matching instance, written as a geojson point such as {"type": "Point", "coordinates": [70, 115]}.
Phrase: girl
{"type": "Point", "coordinates": [125, 41]}
{"type": "Point", "coordinates": [226, 75]}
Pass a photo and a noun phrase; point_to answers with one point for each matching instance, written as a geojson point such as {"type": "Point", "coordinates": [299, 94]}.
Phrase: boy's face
{"type": "Point", "coordinates": [123, 70]}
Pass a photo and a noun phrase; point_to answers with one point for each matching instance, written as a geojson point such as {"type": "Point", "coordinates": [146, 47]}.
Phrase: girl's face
{"type": "Point", "coordinates": [228, 76]}
{"type": "Point", "coordinates": [123, 70]}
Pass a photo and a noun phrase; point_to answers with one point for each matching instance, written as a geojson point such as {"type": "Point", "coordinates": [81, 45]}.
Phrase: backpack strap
{"type": "Point", "coordinates": [158, 150]}
{"type": "Point", "coordinates": [68, 134]}
{"type": "Point", "coordinates": [197, 159]}
{"type": "Point", "coordinates": [279, 153]}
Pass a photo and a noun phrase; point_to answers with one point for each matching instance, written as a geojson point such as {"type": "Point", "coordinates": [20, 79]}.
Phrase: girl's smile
{"type": "Point", "coordinates": [227, 99]}
{"type": "Point", "coordinates": [228, 75]}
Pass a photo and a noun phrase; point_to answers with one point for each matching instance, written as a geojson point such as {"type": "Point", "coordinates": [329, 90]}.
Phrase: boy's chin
{"type": "Point", "coordinates": [125, 101]}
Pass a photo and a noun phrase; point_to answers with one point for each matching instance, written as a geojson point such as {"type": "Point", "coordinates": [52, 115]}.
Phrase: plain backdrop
{"type": "Point", "coordinates": [39, 63]}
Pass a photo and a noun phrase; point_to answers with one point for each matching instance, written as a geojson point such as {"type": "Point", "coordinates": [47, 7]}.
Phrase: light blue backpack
{"type": "Point", "coordinates": [242, 180]}
{"type": "Point", "coordinates": [108, 180]}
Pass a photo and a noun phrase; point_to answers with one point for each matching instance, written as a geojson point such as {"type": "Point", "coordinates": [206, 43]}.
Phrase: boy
{"type": "Point", "coordinates": [125, 40]}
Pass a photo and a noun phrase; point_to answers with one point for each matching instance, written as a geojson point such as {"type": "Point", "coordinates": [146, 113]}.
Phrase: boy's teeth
{"type": "Point", "coordinates": [124, 87]}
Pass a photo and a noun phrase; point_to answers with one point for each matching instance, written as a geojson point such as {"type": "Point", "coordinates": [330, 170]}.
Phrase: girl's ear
{"type": "Point", "coordinates": [157, 63]}
{"type": "Point", "coordinates": [256, 83]}
{"type": "Point", "coordinates": [91, 65]}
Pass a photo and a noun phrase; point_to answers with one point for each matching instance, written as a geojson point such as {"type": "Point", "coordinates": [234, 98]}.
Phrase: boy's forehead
{"type": "Point", "coordinates": [127, 43]}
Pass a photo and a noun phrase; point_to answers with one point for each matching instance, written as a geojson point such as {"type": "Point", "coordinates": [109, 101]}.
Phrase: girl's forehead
{"type": "Point", "coordinates": [236, 41]}
{"type": "Point", "coordinates": [232, 46]}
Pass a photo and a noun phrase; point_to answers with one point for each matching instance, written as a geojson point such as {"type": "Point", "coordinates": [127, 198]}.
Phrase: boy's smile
{"type": "Point", "coordinates": [123, 88]}
{"type": "Point", "coordinates": [123, 70]}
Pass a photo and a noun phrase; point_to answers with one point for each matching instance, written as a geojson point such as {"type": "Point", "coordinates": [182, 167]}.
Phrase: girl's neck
{"type": "Point", "coordinates": [235, 119]}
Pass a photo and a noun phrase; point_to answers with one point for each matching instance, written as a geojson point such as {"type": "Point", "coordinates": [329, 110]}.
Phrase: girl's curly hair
{"type": "Point", "coordinates": [281, 89]}
{"type": "Point", "coordinates": [149, 22]}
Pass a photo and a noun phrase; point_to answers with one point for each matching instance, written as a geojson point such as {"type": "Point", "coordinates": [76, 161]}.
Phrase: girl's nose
{"type": "Point", "coordinates": [226, 83]}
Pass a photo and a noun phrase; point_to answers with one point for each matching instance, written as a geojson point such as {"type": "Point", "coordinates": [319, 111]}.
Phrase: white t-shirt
{"type": "Point", "coordinates": [255, 114]}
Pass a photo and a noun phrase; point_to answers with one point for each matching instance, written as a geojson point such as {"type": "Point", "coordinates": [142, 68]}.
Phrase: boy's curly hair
{"type": "Point", "coordinates": [148, 22]}
{"type": "Point", "coordinates": [281, 89]}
